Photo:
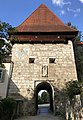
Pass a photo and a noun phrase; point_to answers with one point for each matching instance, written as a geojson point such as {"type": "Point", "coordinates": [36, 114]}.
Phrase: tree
{"type": "Point", "coordinates": [79, 36]}
{"type": "Point", "coordinates": [5, 46]}
{"type": "Point", "coordinates": [45, 97]}
{"type": "Point", "coordinates": [7, 107]}
{"type": "Point", "coordinates": [40, 101]}
{"type": "Point", "coordinates": [78, 49]}
{"type": "Point", "coordinates": [74, 88]}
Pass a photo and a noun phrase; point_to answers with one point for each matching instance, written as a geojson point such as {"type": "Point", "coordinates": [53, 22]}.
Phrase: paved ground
{"type": "Point", "coordinates": [43, 114]}
{"type": "Point", "coordinates": [48, 117]}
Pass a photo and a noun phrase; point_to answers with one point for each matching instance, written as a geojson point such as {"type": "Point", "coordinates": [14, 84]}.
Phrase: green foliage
{"type": "Point", "coordinates": [73, 88]}
{"type": "Point", "coordinates": [44, 98]}
{"type": "Point", "coordinates": [1, 110]}
{"type": "Point", "coordinates": [72, 26]}
{"type": "Point", "coordinates": [7, 106]}
{"type": "Point", "coordinates": [5, 46]}
{"type": "Point", "coordinates": [78, 49]}
{"type": "Point", "coordinates": [40, 101]}
{"type": "Point", "coordinates": [79, 36]}
{"type": "Point", "coordinates": [5, 29]}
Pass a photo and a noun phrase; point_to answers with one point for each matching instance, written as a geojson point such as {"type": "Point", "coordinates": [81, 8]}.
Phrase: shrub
{"type": "Point", "coordinates": [7, 108]}
{"type": "Point", "coordinates": [73, 88]}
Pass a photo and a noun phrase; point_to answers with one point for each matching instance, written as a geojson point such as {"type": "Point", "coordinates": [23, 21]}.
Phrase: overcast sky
{"type": "Point", "coordinates": [15, 12]}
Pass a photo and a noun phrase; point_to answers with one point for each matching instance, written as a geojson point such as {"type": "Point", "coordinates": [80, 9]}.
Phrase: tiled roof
{"type": "Point", "coordinates": [43, 20]}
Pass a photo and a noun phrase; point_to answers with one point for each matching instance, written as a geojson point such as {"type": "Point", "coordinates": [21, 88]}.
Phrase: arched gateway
{"type": "Point", "coordinates": [42, 58]}
{"type": "Point", "coordinates": [45, 86]}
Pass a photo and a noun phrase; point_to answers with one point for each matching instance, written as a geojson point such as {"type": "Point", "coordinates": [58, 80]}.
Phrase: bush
{"type": "Point", "coordinates": [73, 88]}
{"type": "Point", "coordinates": [7, 108]}
{"type": "Point", "coordinates": [1, 109]}
{"type": "Point", "coordinates": [44, 98]}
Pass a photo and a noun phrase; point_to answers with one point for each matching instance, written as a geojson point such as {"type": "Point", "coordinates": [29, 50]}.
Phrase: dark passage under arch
{"type": "Point", "coordinates": [44, 86]}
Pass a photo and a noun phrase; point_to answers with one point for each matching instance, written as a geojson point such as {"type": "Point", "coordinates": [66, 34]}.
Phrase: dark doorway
{"type": "Point", "coordinates": [44, 86]}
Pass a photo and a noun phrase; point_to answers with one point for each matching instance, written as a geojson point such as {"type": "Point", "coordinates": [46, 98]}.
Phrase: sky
{"type": "Point", "coordinates": [41, 91]}
{"type": "Point", "coordinates": [15, 12]}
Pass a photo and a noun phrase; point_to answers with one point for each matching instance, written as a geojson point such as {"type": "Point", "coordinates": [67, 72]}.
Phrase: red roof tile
{"type": "Point", "coordinates": [43, 20]}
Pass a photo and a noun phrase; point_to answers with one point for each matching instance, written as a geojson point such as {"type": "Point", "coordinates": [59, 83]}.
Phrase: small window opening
{"type": "Point", "coordinates": [1, 73]}
{"type": "Point", "coordinates": [51, 60]}
{"type": "Point", "coordinates": [31, 60]}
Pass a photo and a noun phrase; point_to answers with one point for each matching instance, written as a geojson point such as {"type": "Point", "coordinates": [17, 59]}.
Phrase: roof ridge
{"type": "Point", "coordinates": [40, 17]}
{"type": "Point", "coordinates": [33, 13]}
{"type": "Point", "coordinates": [42, 5]}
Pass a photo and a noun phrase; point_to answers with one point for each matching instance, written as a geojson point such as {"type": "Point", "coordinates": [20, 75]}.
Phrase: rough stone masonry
{"type": "Point", "coordinates": [25, 74]}
{"type": "Point", "coordinates": [42, 58]}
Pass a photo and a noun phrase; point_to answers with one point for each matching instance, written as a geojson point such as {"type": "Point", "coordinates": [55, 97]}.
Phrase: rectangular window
{"type": "Point", "coordinates": [51, 60]}
{"type": "Point", "coordinates": [1, 74]}
{"type": "Point", "coordinates": [31, 60]}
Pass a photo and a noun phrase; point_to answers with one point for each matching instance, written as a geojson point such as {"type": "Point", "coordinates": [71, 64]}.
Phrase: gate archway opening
{"type": "Point", "coordinates": [43, 97]}
{"type": "Point", "coordinates": [44, 86]}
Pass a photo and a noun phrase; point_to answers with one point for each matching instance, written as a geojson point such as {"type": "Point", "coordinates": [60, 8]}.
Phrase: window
{"type": "Point", "coordinates": [51, 60]}
{"type": "Point", "coordinates": [1, 74]}
{"type": "Point", "coordinates": [31, 60]}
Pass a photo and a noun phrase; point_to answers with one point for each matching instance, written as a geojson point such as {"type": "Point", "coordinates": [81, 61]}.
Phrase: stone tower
{"type": "Point", "coordinates": [42, 59]}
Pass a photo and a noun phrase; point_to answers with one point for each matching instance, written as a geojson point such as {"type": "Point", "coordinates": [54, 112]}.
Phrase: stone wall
{"type": "Point", "coordinates": [74, 109]}
{"type": "Point", "coordinates": [25, 74]}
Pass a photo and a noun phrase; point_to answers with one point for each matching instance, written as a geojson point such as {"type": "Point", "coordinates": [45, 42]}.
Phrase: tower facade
{"type": "Point", "coordinates": [42, 59]}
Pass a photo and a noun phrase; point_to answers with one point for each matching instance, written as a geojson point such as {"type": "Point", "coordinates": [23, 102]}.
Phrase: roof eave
{"type": "Point", "coordinates": [40, 32]}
